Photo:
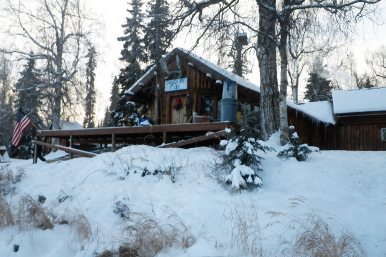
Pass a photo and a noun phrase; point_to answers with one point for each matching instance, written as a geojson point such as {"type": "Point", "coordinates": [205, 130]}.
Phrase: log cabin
{"type": "Point", "coordinates": [186, 88]}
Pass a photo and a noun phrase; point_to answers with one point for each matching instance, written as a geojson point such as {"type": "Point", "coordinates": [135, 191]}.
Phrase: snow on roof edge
{"type": "Point", "coordinates": [320, 111]}
{"type": "Point", "coordinates": [239, 80]}
{"type": "Point", "coordinates": [129, 91]}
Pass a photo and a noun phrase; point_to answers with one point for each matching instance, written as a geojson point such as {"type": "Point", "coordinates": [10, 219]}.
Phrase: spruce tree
{"type": "Point", "coordinates": [89, 119]}
{"type": "Point", "coordinates": [318, 88]}
{"type": "Point", "coordinates": [295, 148]}
{"type": "Point", "coordinates": [158, 32]}
{"type": "Point", "coordinates": [242, 156]}
{"type": "Point", "coordinates": [133, 55]}
{"type": "Point", "coordinates": [27, 88]}
{"type": "Point", "coordinates": [29, 98]}
{"type": "Point", "coordinates": [133, 52]}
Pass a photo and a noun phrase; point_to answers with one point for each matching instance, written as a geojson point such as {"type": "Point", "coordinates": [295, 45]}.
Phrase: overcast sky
{"type": "Point", "coordinates": [112, 15]}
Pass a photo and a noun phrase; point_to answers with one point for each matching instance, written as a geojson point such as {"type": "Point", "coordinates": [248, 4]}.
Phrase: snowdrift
{"type": "Point", "coordinates": [95, 203]}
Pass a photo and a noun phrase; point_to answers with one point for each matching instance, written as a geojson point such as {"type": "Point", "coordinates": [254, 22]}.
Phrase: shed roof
{"type": "Point", "coordinates": [208, 65]}
{"type": "Point", "coordinates": [320, 111]}
{"type": "Point", "coordinates": [361, 100]}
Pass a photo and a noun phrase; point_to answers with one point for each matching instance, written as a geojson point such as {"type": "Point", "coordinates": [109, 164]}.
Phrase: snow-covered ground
{"type": "Point", "coordinates": [345, 189]}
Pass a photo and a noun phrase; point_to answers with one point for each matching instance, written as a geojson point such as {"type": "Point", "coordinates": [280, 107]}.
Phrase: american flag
{"type": "Point", "coordinates": [22, 124]}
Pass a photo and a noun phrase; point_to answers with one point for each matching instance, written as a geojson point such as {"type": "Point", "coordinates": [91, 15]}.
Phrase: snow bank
{"type": "Point", "coordinates": [346, 189]}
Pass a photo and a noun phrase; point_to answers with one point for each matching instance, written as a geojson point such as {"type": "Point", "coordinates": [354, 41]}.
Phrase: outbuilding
{"type": "Point", "coordinates": [353, 120]}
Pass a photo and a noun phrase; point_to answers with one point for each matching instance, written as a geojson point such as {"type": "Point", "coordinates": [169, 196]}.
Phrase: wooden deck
{"type": "Point", "coordinates": [168, 134]}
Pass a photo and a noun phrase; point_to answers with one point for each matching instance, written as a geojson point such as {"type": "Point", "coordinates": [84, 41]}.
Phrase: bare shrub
{"type": "Point", "coordinates": [8, 179]}
{"type": "Point", "coordinates": [127, 251]}
{"type": "Point", "coordinates": [6, 217]}
{"type": "Point", "coordinates": [147, 236]}
{"type": "Point", "coordinates": [32, 213]}
{"type": "Point", "coordinates": [106, 253]}
{"type": "Point", "coordinates": [81, 228]}
{"type": "Point", "coordinates": [319, 241]}
{"type": "Point", "coordinates": [245, 233]}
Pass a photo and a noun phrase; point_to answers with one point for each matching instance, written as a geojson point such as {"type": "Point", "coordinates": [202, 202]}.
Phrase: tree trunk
{"type": "Point", "coordinates": [266, 55]}
{"type": "Point", "coordinates": [284, 23]}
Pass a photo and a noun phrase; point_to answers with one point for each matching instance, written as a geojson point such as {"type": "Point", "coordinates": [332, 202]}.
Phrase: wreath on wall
{"type": "Point", "coordinates": [177, 105]}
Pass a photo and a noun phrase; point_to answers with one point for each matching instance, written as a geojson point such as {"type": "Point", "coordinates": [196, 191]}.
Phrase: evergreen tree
{"type": "Point", "coordinates": [30, 100]}
{"type": "Point", "coordinates": [114, 98]}
{"type": "Point", "coordinates": [242, 156]}
{"type": "Point", "coordinates": [295, 148]}
{"type": "Point", "coordinates": [89, 119]}
{"type": "Point", "coordinates": [158, 34]}
{"type": "Point", "coordinates": [318, 87]}
{"type": "Point", "coordinates": [28, 94]}
{"type": "Point", "coordinates": [133, 52]}
{"type": "Point", "coordinates": [133, 55]}
{"type": "Point", "coordinates": [106, 119]}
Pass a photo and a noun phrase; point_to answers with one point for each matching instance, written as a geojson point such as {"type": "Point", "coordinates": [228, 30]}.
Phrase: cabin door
{"type": "Point", "coordinates": [178, 111]}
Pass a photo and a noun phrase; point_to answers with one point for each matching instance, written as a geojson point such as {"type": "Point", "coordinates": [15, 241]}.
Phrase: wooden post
{"type": "Point", "coordinates": [164, 137]}
{"type": "Point", "coordinates": [113, 142]}
{"type": "Point", "coordinates": [71, 145]}
{"type": "Point", "coordinates": [35, 159]}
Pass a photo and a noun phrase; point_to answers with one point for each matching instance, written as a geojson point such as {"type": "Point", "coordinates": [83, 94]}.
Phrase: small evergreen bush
{"type": "Point", "coordinates": [295, 148]}
{"type": "Point", "coordinates": [241, 157]}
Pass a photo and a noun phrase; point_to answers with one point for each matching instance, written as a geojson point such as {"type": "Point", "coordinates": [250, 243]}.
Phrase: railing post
{"type": "Point", "coordinates": [113, 143]}
{"type": "Point", "coordinates": [71, 145]}
{"type": "Point", "coordinates": [164, 137]}
{"type": "Point", "coordinates": [35, 159]}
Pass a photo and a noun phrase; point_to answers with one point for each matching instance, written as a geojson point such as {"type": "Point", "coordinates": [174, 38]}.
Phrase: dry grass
{"type": "Point", "coordinates": [32, 213]}
{"type": "Point", "coordinates": [81, 228]}
{"type": "Point", "coordinates": [6, 216]}
{"type": "Point", "coordinates": [8, 179]}
{"type": "Point", "coordinates": [245, 233]}
{"type": "Point", "coordinates": [320, 241]}
{"type": "Point", "coordinates": [147, 236]}
{"type": "Point", "coordinates": [106, 253]}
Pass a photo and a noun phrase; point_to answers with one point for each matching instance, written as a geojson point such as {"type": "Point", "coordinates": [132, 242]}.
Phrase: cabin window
{"type": "Point", "coordinates": [383, 134]}
{"type": "Point", "coordinates": [207, 105]}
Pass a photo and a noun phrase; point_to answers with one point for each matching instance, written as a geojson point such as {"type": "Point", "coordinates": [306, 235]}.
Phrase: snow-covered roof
{"type": "Point", "coordinates": [321, 111]}
{"type": "Point", "coordinates": [227, 74]}
{"type": "Point", "coordinates": [239, 80]}
{"type": "Point", "coordinates": [362, 100]}
{"type": "Point", "coordinates": [69, 125]}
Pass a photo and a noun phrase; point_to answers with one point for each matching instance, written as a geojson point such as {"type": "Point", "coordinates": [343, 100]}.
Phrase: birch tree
{"type": "Point", "coordinates": [273, 27]}
{"type": "Point", "coordinates": [377, 62]}
{"type": "Point", "coordinates": [55, 32]}
{"type": "Point", "coordinates": [6, 101]}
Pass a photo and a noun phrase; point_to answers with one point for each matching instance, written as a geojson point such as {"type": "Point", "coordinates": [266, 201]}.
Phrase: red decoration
{"type": "Point", "coordinates": [177, 105]}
